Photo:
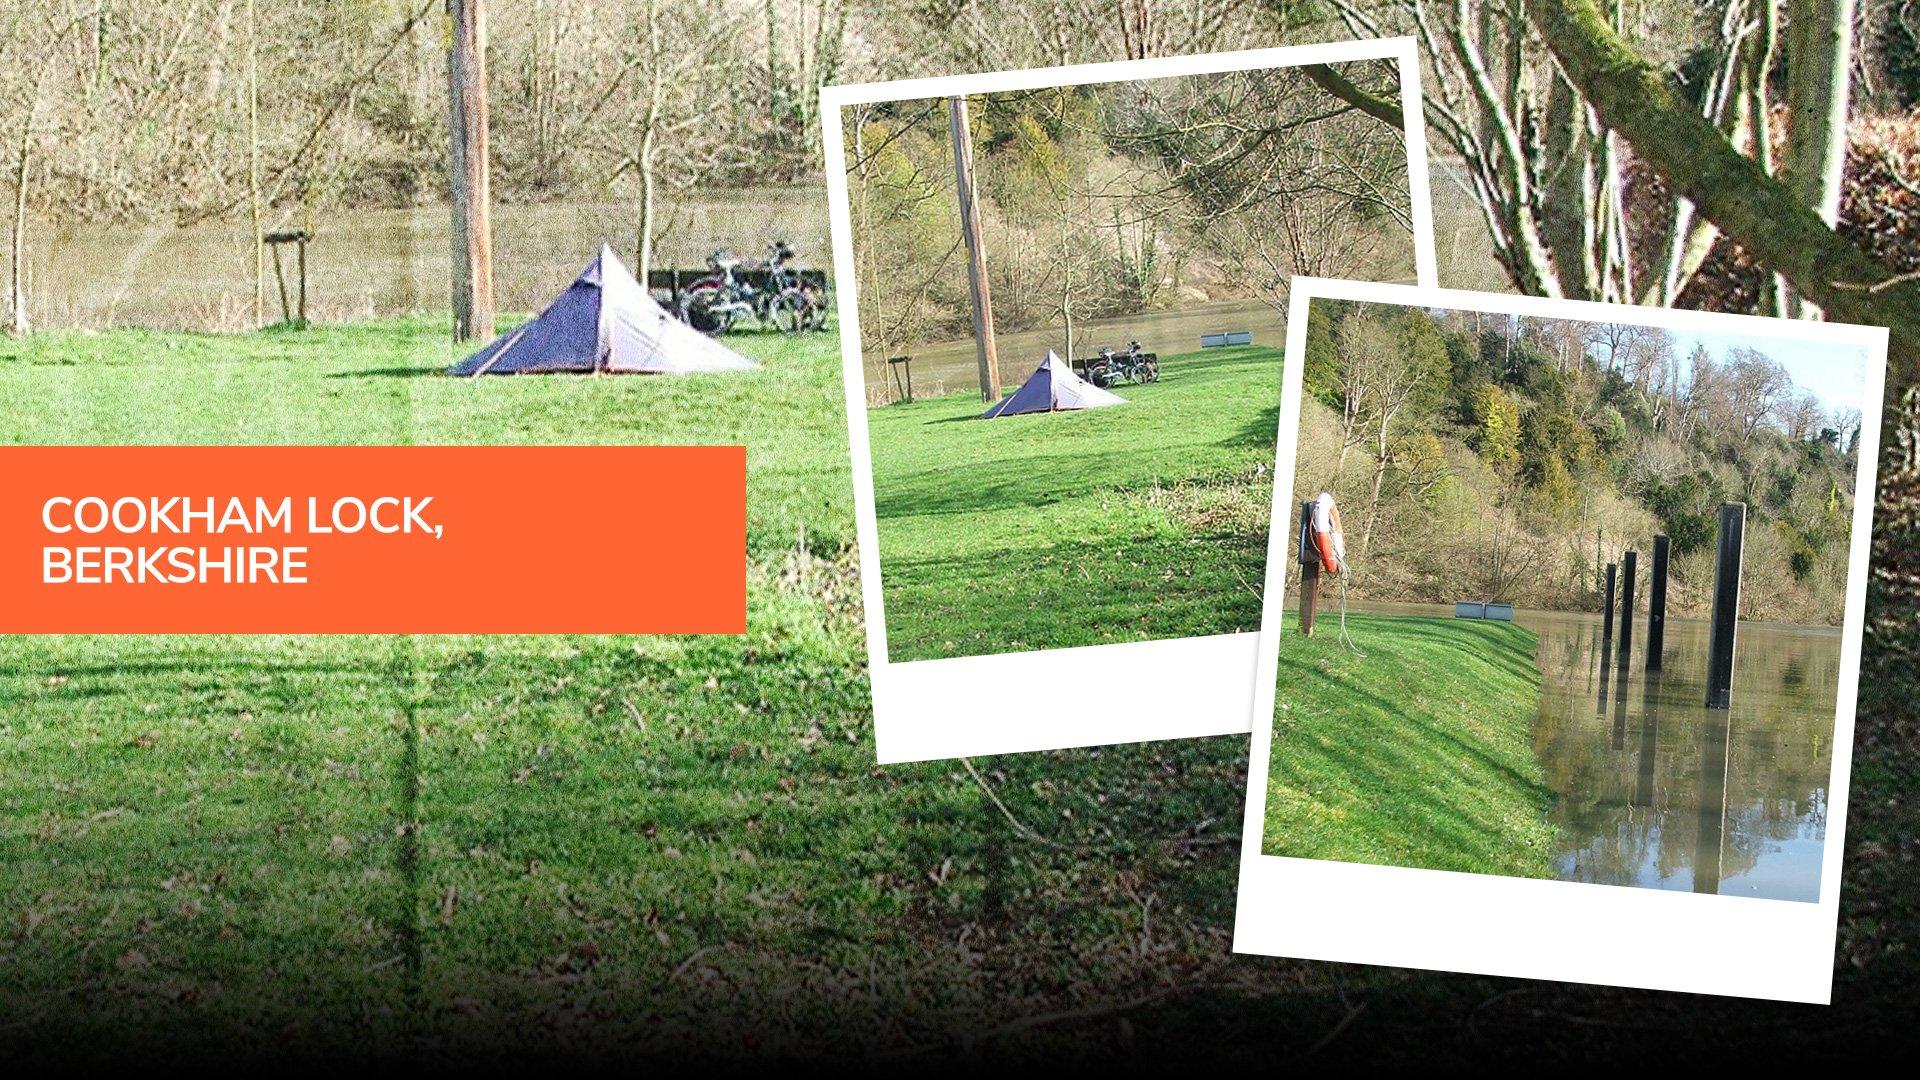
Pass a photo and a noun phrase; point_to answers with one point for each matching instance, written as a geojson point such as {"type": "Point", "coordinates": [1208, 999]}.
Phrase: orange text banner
{"type": "Point", "coordinates": [377, 539]}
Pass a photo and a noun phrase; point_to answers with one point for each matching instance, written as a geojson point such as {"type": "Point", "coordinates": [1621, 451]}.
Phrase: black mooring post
{"type": "Point", "coordinates": [1657, 604]}
{"type": "Point", "coordinates": [1606, 624]}
{"type": "Point", "coordinates": [1626, 607]}
{"type": "Point", "coordinates": [1726, 605]}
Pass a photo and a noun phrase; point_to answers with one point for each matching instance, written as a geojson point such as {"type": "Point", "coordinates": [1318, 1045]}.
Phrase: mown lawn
{"type": "Point", "coordinates": [509, 843]}
{"type": "Point", "coordinates": [1051, 530]}
{"type": "Point", "coordinates": [1418, 754]}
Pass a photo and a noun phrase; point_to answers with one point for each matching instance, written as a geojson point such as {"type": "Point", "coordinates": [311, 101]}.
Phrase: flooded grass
{"type": "Point", "coordinates": [1417, 754]}
{"type": "Point", "coordinates": [1130, 523]}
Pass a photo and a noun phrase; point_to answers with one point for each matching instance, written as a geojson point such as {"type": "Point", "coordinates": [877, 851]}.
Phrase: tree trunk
{"type": "Point", "coordinates": [1819, 61]}
{"type": "Point", "coordinates": [253, 166]}
{"type": "Point", "coordinates": [648, 138]}
{"type": "Point", "coordinates": [1379, 475]}
{"type": "Point", "coordinates": [17, 320]}
{"type": "Point", "coordinates": [1753, 209]}
{"type": "Point", "coordinates": [1773, 297]}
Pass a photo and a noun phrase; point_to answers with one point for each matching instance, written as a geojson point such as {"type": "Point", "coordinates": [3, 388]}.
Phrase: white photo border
{"type": "Point", "coordinates": [1570, 931]}
{"type": "Point", "coordinates": [931, 709]}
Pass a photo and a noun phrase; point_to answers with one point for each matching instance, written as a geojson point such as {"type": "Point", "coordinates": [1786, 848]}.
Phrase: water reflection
{"type": "Point", "coordinates": [1658, 792]}
{"type": "Point", "coordinates": [384, 262]}
{"type": "Point", "coordinates": [940, 367]}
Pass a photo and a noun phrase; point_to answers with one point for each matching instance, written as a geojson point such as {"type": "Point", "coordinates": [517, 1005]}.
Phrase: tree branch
{"type": "Point", "coordinates": [1753, 209]}
{"type": "Point", "coordinates": [1384, 109]}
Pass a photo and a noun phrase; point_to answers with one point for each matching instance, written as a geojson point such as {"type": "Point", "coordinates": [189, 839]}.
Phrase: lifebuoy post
{"type": "Point", "coordinates": [1309, 570]}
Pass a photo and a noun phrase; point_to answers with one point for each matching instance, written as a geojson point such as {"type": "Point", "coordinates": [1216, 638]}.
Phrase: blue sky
{"type": "Point", "coordinates": [1836, 374]}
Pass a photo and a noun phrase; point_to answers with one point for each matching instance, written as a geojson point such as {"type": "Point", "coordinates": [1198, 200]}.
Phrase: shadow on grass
{"type": "Point", "coordinates": [390, 373]}
{"type": "Point", "coordinates": [1053, 474]}
{"type": "Point", "coordinates": [1073, 594]}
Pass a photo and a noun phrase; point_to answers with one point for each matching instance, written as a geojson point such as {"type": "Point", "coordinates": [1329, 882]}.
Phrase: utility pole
{"type": "Point", "coordinates": [976, 251]}
{"type": "Point", "coordinates": [468, 167]}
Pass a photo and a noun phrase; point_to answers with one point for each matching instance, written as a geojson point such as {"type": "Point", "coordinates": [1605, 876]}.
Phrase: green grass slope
{"type": "Point", "coordinates": [1130, 523]}
{"type": "Point", "coordinates": [1417, 754]}
{"type": "Point", "coordinates": [538, 842]}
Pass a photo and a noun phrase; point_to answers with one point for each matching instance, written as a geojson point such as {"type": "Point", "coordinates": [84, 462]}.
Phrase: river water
{"type": "Point", "coordinates": [1652, 789]}
{"type": "Point", "coordinates": [1658, 791]}
{"type": "Point", "coordinates": [945, 366]}
{"type": "Point", "coordinates": [365, 263]}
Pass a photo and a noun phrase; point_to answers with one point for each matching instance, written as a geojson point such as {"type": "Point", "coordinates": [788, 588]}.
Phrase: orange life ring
{"type": "Point", "coordinates": [1323, 542]}
{"type": "Point", "coordinates": [1327, 541]}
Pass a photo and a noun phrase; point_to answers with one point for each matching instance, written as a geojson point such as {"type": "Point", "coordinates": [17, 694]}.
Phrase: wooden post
{"type": "Point", "coordinates": [303, 278]}
{"type": "Point", "coordinates": [1726, 604]}
{"type": "Point", "coordinates": [1657, 604]}
{"type": "Point", "coordinates": [472, 195]}
{"type": "Point", "coordinates": [280, 278]}
{"type": "Point", "coordinates": [1626, 607]}
{"type": "Point", "coordinates": [1606, 607]}
{"type": "Point", "coordinates": [976, 251]}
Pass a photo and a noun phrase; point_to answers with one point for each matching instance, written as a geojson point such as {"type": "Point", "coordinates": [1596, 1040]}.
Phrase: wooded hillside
{"type": "Point", "coordinates": [1477, 456]}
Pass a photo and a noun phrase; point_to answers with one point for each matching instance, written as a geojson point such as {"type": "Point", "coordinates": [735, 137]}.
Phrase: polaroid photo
{"type": "Point", "coordinates": [1564, 606]}
{"type": "Point", "coordinates": [1062, 519]}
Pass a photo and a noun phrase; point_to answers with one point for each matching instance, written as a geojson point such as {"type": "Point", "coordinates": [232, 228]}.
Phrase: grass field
{"type": "Point", "coordinates": [449, 848]}
{"type": "Point", "coordinates": [1417, 754]}
{"type": "Point", "coordinates": [1045, 531]}
{"type": "Point", "coordinates": [508, 840]}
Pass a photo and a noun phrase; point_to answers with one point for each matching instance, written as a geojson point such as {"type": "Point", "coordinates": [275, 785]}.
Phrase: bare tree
{"type": "Point", "coordinates": [1756, 386]}
{"type": "Point", "coordinates": [1361, 346]}
{"type": "Point", "coordinates": [1752, 208]}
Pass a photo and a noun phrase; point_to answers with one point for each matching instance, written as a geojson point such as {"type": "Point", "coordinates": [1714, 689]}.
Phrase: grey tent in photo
{"type": "Point", "coordinates": [1051, 388]}
{"type": "Point", "coordinates": [605, 321]}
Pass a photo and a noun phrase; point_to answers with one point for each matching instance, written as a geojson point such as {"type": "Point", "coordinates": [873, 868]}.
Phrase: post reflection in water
{"type": "Point", "coordinates": [1649, 739]}
{"type": "Point", "coordinates": [1620, 713]}
{"type": "Point", "coordinates": [1656, 791]}
{"type": "Point", "coordinates": [1709, 851]}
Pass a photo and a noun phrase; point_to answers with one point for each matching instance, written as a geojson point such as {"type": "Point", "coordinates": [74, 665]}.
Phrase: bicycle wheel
{"type": "Point", "coordinates": [791, 313]}
{"type": "Point", "coordinates": [699, 312]}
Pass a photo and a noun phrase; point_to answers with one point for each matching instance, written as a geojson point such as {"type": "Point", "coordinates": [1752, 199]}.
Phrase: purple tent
{"type": "Point", "coordinates": [1051, 388]}
{"type": "Point", "coordinates": [605, 321]}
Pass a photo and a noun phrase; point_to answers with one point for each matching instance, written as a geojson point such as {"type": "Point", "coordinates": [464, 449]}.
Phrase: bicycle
{"type": "Point", "coordinates": [1133, 365]}
{"type": "Point", "coordinates": [716, 303]}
